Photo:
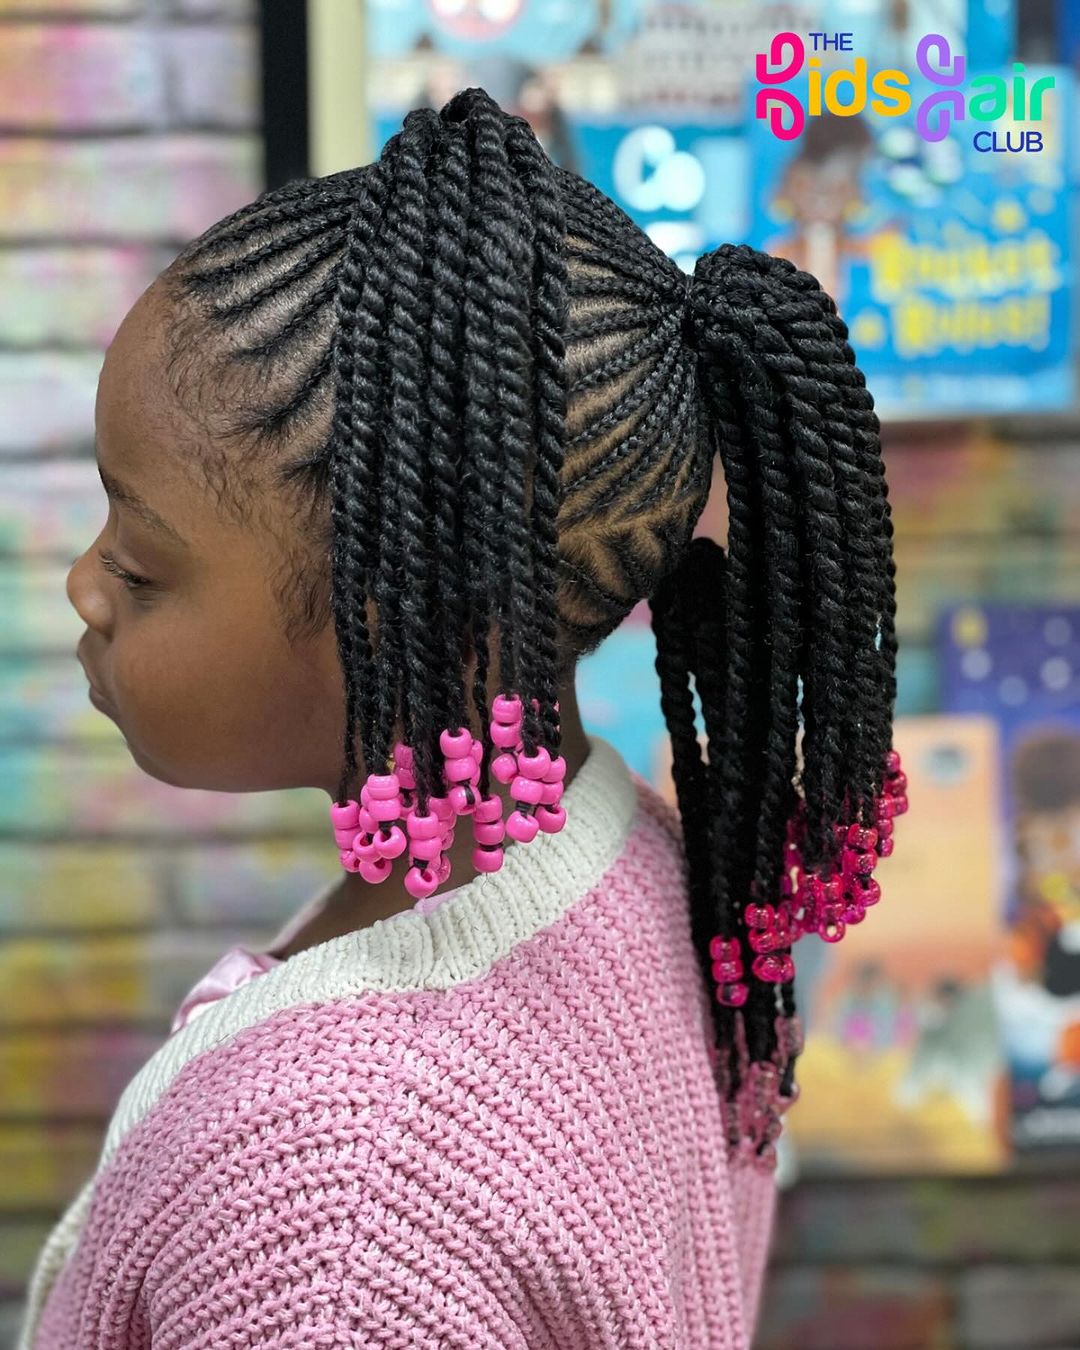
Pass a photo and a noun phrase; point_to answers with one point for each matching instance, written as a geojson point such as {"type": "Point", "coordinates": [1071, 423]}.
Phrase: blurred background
{"type": "Point", "coordinates": [930, 1171]}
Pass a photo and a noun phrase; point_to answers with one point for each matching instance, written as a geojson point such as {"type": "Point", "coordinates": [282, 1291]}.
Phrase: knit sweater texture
{"type": "Point", "coordinates": [493, 1126]}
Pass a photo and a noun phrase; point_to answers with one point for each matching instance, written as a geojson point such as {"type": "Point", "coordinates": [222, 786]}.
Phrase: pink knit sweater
{"type": "Point", "coordinates": [492, 1126]}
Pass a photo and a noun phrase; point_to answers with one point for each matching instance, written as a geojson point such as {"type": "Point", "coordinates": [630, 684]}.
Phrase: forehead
{"type": "Point", "coordinates": [145, 438]}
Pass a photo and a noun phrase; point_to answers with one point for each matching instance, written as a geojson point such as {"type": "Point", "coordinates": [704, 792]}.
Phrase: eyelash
{"type": "Point", "coordinates": [130, 580]}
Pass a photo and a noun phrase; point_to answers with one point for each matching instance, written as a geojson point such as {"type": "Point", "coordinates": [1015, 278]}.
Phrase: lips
{"type": "Point", "coordinates": [96, 696]}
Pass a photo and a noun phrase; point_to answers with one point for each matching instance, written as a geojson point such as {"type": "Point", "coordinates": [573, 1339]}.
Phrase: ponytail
{"type": "Point", "coordinates": [794, 622]}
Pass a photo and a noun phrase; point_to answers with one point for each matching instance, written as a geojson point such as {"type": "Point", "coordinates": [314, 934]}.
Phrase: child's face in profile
{"type": "Point", "coordinates": [194, 666]}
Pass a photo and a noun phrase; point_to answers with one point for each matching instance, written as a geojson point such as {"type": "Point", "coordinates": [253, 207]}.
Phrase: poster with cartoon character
{"type": "Point", "coordinates": [1022, 667]}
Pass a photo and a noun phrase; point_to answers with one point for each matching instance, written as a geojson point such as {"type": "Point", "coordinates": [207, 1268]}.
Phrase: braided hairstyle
{"type": "Point", "coordinates": [494, 404]}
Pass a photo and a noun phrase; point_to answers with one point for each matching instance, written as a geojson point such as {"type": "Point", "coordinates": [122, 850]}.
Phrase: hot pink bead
{"type": "Point", "coordinates": [375, 869]}
{"type": "Point", "coordinates": [733, 995]}
{"type": "Point", "coordinates": [861, 837]}
{"type": "Point", "coordinates": [421, 882]}
{"type": "Point", "coordinates": [767, 940]}
{"type": "Point", "coordinates": [557, 772]}
{"type": "Point", "coordinates": [900, 805]}
{"type": "Point", "coordinates": [350, 861]}
{"type": "Point", "coordinates": [344, 838]}
{"type": "Point", "coordinates": [504, 768]}
{"type": "Point", "coordinates": [390, 845]}
{"type": "Point", "coordinates": [507, 708]}
{"type": "Point", "coordinates": [367, 821]}
{"type": "Point", "coordinates": [831, 929]}
{"type": "Point", "coordinates": [725, 971]}
{"type": "Point", "coordinates": [521, 827]}
{"type": "Point", "coordinates": [385, 809]}
{"type": "Point", "coordinates": [724, 949]}
{"type": "Point", "coordinates": [770, 968]}
{"type": "Point", "coordinates": [885, 847]}
{"type": "Point", "coordinates": [443, 869]}
{"type": "Point", "coordinates": [868, 891]}
{"type": "Point", "coordinates": [489, 834]}
{"type": "Point", "coordinates": [463, 802]}
{"type": "Point", "coordinates": [363, 845]}
{"type": "Point", "coordinates": [442, 808]}
{"type": "Point", "coordinates": [427, 849]}
{"type": "Point", "coordinates": [896, 784]}
{"type": "Point", "coordinates": [383, 787]}
{"type": "Point", "coordinates": [489, 809]}
{"type": "Point", "coordinates": [892, 762]}
{"type": "Point", "coordinates": [854, 912]}
{"type": "Point", "coordinates": [345, 817]}
{"type": "Point", "coordinates": [506, 737]}
{"type": "Point", "coordinates": [529, 790]}
{"type": "Point", "coordinates": [862, 863]}
{"type": "Point", "coordinates": [551, 794]}
{"type": "Point", "coordinates": [455, 744]}
{"type": "Point", "coordinates": [460, 769]}
{"type": "Point", "coordinates": [487, 859]}
{"type": "Point", "coordinates": [534, 766]}
{"type": "Point", "coordinates": [427, 826]}
{"type": "Point", "coordinates": [760, 916]}
{"type": "Point", "coordinates": [551, 818]}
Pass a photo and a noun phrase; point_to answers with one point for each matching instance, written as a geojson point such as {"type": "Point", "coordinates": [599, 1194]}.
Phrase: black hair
{"type": "Point", "coordinates": [512, 401]}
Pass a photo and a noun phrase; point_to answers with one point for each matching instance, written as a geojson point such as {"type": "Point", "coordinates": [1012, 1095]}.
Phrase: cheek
{"type": "Point", "coordinates": [227, 711]}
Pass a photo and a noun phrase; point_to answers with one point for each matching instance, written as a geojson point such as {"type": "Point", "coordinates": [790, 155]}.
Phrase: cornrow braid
{"type": "Point", "coordinates": [495, 407]}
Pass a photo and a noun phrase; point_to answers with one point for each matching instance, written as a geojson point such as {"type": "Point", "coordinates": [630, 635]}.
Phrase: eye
{"type": "Point", "coordinates": [130, 580]}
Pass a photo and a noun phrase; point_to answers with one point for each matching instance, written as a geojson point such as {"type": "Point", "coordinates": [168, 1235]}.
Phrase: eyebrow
{"type": "Point", "coordinates": [120, 492]}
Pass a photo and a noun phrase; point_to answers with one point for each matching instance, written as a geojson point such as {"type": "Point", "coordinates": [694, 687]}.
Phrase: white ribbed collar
{"type": "Point", "coordinates": [458, 941]}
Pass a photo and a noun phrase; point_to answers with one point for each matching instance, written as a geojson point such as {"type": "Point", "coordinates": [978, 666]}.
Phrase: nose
{"type": "Point", "coordinates": [86, 596]}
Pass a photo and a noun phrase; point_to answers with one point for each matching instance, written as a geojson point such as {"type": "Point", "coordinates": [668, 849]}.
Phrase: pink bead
{"type": "Point", "coordinates": [506, 738]}
{"type": "Point", "coordinates": [854, 913]}
{"type": "Point", "coordinates": [367, 821]}
{"type": "Point", "coordinates": [861, 837]}
{"type": "Point", "coordinates": [375, 870]}
{"type": "Point", "coordinates": [385, 809]}
{"type": "Point", "coordinates": [557, 772]}
{"type": "Point", "coordinates": [489, 809]}
{"type": "Point", "coordinates": [506, 708]}
{"type": "Point", "coordinates": [885, 847]}
{"type": "Point", "coordinates": [363, 845]}
{"type": "Point", "coordinates": [551, 794]}
{"type": "Point", "coordinates": [504, 768]}
{"type": "Point", "coordinates": [900, 804]}
{"type": "Point", "coordinates": [723, 972]}
{"type": "Point", "coordinates": [896, 784]}
{"type": "Point", "coordinates": [868, 891]}
{"type": "Point", "coordinates": [521, 827]}
{"type": "Point", "coordinates": [383, 787]}
{"type": "Point", "coordinates": [345, 817]}
{"type": "Point", "coordinates": [724, 949]}
{"type": "Point", "coordinates": [487, 859]}
{"type": "Point", "coordinates": [760, 916]}
{"type": "Point", "coordinates": [767, 940]}
{"type": "Point", "coordinates": [862, 863]}
{"type": "Point", "coordinates": [461, 769]}
{"type": "Point", "coordinates": [534, 766]}
{"type": "Point", "coordinates": [831, 929]}
{"type": "Point", "coordinates": [344, 838]}
{"type": "Point", "coordinates": [892, 762]}
{"type": "Point", "coordinates": [463, 800]}
{"type": "Point", "coordinates": [769, 968]}
{"type": "Point", "coordinates": [403, 755]}
{"type": "Point", "coordinates": [442, 808]}
{"type": "Point", "coordinates": [390, 845]}
{"type": "Point", "coordinates": [551, 818]}
{"type": "Point", "coordinates": [528, 790]}
{"type": "Point", "coordinates": [478, 750]}
{"type": "Point", "coordinates": [732, 995]}
{"type": "Point", "coordinates": [427, 826]}
{"type": "Point", "coordinates": [443, 869]}
{"type": "Point", "coordinates": [350, 861]}
{"type": "Point", "coordinates": [455, 744]}
{"type": "Point", "coordinates": [427, 849]}
{"type": "Point", "coordinates": [420, 882]}
{"type": "Point", "coordinates": [490, 834]}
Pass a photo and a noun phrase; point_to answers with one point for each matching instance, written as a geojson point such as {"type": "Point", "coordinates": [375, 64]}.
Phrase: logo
{"type": "Point", "coordinates": [845, 93]}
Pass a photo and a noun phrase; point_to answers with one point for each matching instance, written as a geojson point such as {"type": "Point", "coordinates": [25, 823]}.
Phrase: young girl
{"type": "Point", "coordinates": [386, 453]}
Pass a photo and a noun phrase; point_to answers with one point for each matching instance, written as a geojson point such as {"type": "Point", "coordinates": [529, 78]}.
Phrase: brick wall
{"type": "Point", "coordinates": [126, 127]}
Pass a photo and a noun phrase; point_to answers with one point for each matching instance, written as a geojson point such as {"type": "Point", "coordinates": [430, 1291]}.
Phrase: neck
{"type": "Point", "coordinates": [356, 903]}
